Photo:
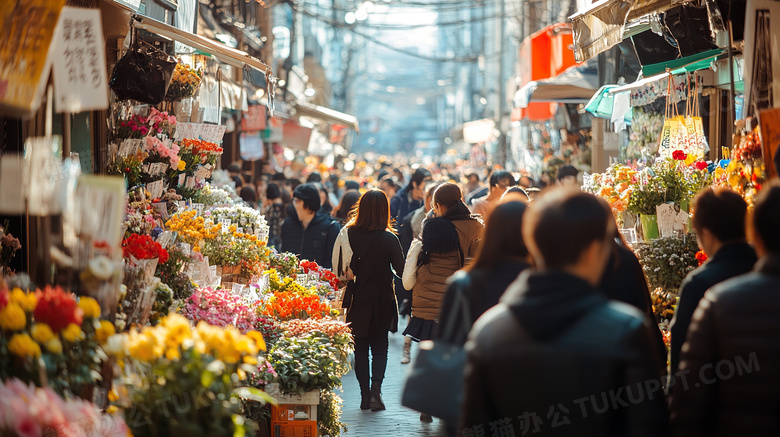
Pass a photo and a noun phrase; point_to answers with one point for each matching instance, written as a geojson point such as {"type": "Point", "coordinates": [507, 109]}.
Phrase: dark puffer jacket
{"type": "Point", "coordinates": [315, 243]}
{"type": "Point", "coordinates": [557, 357]}
{"type": "Point", "coordinates": [730, 359]}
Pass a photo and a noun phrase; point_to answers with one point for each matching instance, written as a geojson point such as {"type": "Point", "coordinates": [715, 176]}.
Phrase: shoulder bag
{"type": "Point", "coordinates": [434, 384]}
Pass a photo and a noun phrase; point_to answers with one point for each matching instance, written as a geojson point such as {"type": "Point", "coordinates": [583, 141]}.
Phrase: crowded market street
{"type": "Point", "coordinates": [364, 218]}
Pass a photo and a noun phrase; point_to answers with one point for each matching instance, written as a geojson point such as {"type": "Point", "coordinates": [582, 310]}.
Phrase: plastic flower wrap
{"type": "Point", "coordinates": [32, 411]}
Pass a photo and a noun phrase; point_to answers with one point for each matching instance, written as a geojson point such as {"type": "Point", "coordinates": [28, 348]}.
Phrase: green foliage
{"type": "Point", "coordinates": [329, 414]}
{"type": "Point", "coordinates": [666, 261]}
{"type": "Point", "coordinates": [307, 363]}
{"type": "Point", "coordinates": [172, 273]}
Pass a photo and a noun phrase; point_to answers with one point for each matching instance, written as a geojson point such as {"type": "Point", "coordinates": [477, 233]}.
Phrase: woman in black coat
{"type": "Point", "coordinates": [364, 251]}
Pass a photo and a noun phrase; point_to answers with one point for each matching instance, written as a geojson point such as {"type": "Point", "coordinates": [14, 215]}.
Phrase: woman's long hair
{"type": "Point", "coordinates": [503, 239]}
{"type": "Point", "coordinates": [440, 237]}
{"type": "Point", "coordinates": [347, 206]}
{"type": "Point", "coordinates": [373, 212]}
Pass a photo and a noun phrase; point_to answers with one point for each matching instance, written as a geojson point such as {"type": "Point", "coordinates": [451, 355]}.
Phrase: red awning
{"type": "Point", "coordinates": [543, 55]}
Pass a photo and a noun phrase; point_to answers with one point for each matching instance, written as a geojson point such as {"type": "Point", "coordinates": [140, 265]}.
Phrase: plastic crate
{"type": "Point", "coordinates": [297, 428]}
{"type": "Point", "coordinates": [288, 412]}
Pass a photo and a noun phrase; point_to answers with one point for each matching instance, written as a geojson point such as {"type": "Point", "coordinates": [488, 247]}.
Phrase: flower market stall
{"type": "Point", "coordinates": [651, 203]}
{"type": "Point", "coordinates": [174, 317]}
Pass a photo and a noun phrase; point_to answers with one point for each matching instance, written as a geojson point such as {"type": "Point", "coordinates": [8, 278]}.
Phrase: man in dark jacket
{"type": "Point", "coordinates": [729, 383]}
{"type": "Point", "coordinates": [409, 197]}
{"type": "Point", "coordinates": [309, 233]}
{"type": "Point", "coordinates": [719, 224]}
{"type": "Point", "coordinates": [556, 356]}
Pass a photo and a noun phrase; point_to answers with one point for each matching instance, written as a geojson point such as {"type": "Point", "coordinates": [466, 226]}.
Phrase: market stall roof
{"type": "Point", "coordinates": [327, 114]}
{"type": "Point", "coordinates": [575, 85]}
{"type": "Point", "coordinates": [601, 26]}
{"type": "Point", "coordinates": [684, 65]}
{"type": "Point", "coordinates": [225, 54]}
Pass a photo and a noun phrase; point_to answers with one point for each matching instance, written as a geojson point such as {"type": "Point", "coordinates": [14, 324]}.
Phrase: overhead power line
{"type": "Point", "coordinates": [334, 23]}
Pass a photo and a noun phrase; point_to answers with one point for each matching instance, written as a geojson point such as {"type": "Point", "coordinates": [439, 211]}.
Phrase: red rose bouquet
{"type": "Point", "coordinates": [57, 308]}
{"type": "Point", "coordinates": [143, 247]}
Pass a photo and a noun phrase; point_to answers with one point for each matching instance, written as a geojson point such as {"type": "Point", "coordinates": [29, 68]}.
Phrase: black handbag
{"type": "Point", "coordinates": [434, 384]}
{"type": "Point", "coordinates": [143, 73]}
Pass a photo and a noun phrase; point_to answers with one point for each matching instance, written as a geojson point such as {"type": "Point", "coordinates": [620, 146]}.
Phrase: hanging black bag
{"type": "Point", "coordinates": [143, 74]}
{"type": "Point", "coordinates": [434, 384]}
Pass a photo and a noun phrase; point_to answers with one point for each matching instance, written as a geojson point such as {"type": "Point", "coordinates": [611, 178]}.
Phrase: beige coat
{"type": "Point", "coordinates": [429, 282]}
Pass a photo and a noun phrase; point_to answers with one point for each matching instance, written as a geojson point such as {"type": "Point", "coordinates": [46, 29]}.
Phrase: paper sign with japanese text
{"type": "Point", "coordinates": [79, 63]}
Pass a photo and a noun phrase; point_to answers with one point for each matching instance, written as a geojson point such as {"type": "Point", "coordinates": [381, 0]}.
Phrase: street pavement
{"type": "Point", "coordinates": [396, 420]}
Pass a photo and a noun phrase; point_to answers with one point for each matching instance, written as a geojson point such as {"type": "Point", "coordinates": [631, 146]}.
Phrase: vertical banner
{"type": "Point", "coordinates": [25, 44]}
{"type": "Point", "coordinates": [80, 78]}
{"type": "Point", "coordinates": [770, 140]}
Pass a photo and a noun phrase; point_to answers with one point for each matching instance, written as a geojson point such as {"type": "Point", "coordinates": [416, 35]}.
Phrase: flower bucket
{"type": "Point", "coordinates": [649, 227]}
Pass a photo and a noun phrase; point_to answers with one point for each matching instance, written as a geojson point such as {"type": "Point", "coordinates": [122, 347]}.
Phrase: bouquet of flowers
{"type": "Point", "coordinates": [162, 302]}
{"type": "Point", "coordinates": [162, 151]}
{"type": "Point", "coordinates": [172, 272]}
{"type": "Point", "coordinates": [128, 166]}
{"type": "Point", "coordinates": [173, 360]}
{"type": "Point", "coordinates": [143, 247]}
{"type": "Point", "coordinates": [138, 126]}
{"type": "Point", "coordinates": [668, 260]}
{"type": "Point", "coordinates": [8, 247]}
{"type": "Point", "coordinates": [328, 282]}
{"type": "Point", "coordinates": [236, 249]}
{"type": "Point", "coordinates": [192, 229]}
{"type": "Point", "coordinates": [288, 305]}
{"type": "Point", "coordinates": [220, 307]}
{"type": "Point", "coordinates": [140, 216]}
{"type": "Point", "coordinates": [239, 215]}
{"type": "Point", "coordinates": [615, 186]}
{"type": "Point", "coordinates": [31, 411]}
{"type": "Point", "coordinates": [199, 152]}
{"type": "Point", "coordinates": [286, 264]}
{"type": "Point", "coordinates": [51, 325]}
{"type": "Point", "coordinates": [184, 82]}
{"type": "Point", "coordinates": [213, 196]}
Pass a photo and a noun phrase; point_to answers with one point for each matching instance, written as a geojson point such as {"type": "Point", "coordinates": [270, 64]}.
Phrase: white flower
{"type": "Point", "coordinates": [101, 268]}
{"type": "Point", "coordinates": [116, 344]}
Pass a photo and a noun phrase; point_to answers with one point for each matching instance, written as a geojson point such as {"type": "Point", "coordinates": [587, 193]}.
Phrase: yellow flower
{"type": "Point", "coordinates": [72, 333]}
{"type": "Point", "coordinates": [172, 353]}
{"type": "Point", "coordinates": [41, 332]}
{"type": "Point", "coordinates": [112, 396]}
{"type": "Point", "coordinates": [105, 330]}
{"type": "Point", "coordinates": [251, 360]}
{"type": "Point", "coordinates": [23, 346]}
{"type": "Point", "coordinates": [233, 228]}
{"type": "Point", "coordinates": [112, 409]}
{"type": "Point", "coordinates": [54, 346]}
{"type": "Point", "coordinates": [90, 307]}
{"type": "Point", "coordinates": [12, 317]}
{"type": "Point", "coordinates": [27, 301]}
{"type": "Point", "coordinates": [182, 165]}
{"type": "Point", "coordinates": [196, 249]}
{"type": "Point", "coordinates": [258, 339]}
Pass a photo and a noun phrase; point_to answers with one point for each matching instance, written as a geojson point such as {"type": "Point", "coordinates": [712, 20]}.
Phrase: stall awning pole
{"type": "Point", "coordinates": [225, 54]}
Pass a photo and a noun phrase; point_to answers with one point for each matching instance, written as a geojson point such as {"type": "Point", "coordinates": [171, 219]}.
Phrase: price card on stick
{"type": "Point", "coordinates": [156, 189]}
{"type": "Point", "coordinates": [666, 215]}
{"type": "Point", "coordinates": [238, 289]}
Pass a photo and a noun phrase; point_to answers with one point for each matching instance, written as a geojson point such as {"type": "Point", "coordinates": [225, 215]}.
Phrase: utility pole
{"type": "Point", "coordinates": [502, 146]}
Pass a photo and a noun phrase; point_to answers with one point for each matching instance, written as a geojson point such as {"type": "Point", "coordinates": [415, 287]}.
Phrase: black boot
{"type": "Point", "coordinates": [376, 398]}
{"type": "Point", "coordinates": [365, 400]}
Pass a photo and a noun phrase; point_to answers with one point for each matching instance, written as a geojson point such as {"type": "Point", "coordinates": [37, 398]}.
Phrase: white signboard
{"type": "Point", "coordinates": [80, 78]}
{"type": "Point", "coordinates": [207, 132]}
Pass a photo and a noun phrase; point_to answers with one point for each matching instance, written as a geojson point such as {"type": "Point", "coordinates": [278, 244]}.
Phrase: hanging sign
{"type": "Point", "coordinates": [80, 78]}
{"type": "Point", "coordinates": [199, 131]}
{"type": "Point", "coordinates": [25, 44]}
